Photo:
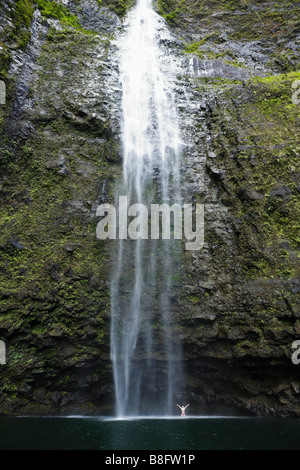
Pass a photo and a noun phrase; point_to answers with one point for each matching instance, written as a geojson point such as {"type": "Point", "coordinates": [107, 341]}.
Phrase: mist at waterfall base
{"type": "Point", "coordinates": [152, 434]}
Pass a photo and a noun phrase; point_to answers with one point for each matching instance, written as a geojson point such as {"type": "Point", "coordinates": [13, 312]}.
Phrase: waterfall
{"type": "Point", "coordinates": [145, 332]}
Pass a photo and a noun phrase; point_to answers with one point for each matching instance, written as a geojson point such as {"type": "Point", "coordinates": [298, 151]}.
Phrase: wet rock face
{"type": "Point", "coordinates": [214, 69]}
{"type": "Point", "coordinates": [22, 68]}
{"type": "Point", "coordinates": [61, 134]}
{"type": "Point", "coordinates": [239, 297]}
{"type": "Point", "coordinates": [240, 309]}
{"type": "Point", "coordinates": [95, 18]}
{"type": "Point", "coordinates": [263, 36]}
{"type": "Point", "coordinates": [60, 157]}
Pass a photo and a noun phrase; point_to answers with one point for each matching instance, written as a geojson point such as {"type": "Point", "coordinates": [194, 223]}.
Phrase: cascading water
{"type": "Point", "coordinates": [145, 335]}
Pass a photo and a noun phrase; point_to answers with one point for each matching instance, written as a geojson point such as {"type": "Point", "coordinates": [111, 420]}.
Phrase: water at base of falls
{"type": "Point", "coordinates": [94, 433]}
{"type": "Point", "coordinates": [145, 331]}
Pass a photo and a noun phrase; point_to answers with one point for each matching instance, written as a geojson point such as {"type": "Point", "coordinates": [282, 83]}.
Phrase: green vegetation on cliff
{"type": "Point", "coordinates": [119, 6]}
{"type": "Point", "coordinates": [18, 32]}
{"type": "Point", "coordinates": [51, 9]}
{"type": "Point", "coordinates": [22, 21]}
{"type": "Point", "coordinates": [260, 137]}
{"type": "Point", "coordinates": [54, 298]}
{"type": "Point", "coordinates": [206, 23]}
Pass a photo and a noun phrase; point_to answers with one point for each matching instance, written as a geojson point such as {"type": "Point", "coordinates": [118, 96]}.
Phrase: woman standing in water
{"type": "Point", "coordinates": [183, 408]}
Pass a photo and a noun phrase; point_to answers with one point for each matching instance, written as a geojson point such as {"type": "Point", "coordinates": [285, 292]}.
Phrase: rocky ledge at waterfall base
{"type": "Point", "coordinates": [236, 307]}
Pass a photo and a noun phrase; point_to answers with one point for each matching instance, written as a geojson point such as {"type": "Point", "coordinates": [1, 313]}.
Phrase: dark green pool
{"type": "Point", "coordinates": [148, 434]}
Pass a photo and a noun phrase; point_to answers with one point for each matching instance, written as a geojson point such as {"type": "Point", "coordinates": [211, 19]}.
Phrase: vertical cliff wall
{"type": "Point", "coordinates": [59, 153]}
{"type": "Point", "coordinates": [241, 295]}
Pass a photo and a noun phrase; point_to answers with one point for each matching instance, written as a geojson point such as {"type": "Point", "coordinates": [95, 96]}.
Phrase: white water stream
{"type": "Point", "coordinates": [145, 344]}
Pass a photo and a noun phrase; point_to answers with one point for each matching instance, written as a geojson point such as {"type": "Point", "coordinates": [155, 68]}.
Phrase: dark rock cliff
{"type": "Point", "coordinates": [238, 303]}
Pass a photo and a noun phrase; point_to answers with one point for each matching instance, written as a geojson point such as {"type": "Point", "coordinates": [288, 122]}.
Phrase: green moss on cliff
{"type": "Point", "coordinates": [170, 10]}
{"type": "Point", "coordinates": [54, 297]}
{"type": "Point", "coordinates": [215, 22]}
{"type": "Point", "coordinates": [4, 61]}
{"type": "Point", "coordinates": [17, 32]}
{"type": "Point", "coordinates": [263, 164]}
{"type": "Point", "coordinates": [119, 6]}
{"type": "Point", "coordinates": [22, 21]}
{"type": "Point", "coordinates": [51, 9]}
{"type": "Point", "coordinates": [227, 56]}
